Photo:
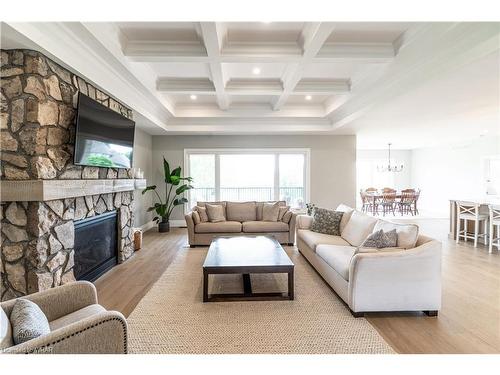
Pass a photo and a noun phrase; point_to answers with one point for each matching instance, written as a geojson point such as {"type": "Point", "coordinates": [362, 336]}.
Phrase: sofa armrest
{"type": "Point", "coordinates": [60, 301]}
{"type": "Point", "coordinates": [388, 281]}
{"type": "Point", "coordinates": [291, 228]}
{"type": "Point", "coordinates": [304, 221]}
{"type": "Point", "coordinates": [104, 333]}
{"type": "Point", "coordinates": [190, 227]}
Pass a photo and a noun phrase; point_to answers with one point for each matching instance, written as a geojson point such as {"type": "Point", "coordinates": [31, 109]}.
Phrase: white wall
{"type": "Point", "coordinates": [402, 180]}
{"type": "Point", "coordinates": [333, 160]}
{"type": "Point", "coordinates": [143, 158]}
{"type": "Point", "coordinates": [451, 172]}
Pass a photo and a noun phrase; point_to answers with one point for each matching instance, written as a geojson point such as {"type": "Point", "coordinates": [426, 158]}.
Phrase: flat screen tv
{"type": "Point", "coordinates": [104, 138]}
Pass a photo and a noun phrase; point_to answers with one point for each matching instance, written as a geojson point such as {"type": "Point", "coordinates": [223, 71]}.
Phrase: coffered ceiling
{"type": "Point", "coordinates": [381, 81]}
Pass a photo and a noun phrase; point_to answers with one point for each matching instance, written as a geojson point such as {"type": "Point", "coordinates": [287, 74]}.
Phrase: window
{"type": "Point", "coordinates": [248, 175]}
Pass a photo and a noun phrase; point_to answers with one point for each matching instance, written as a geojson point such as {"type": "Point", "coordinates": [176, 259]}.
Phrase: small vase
{"type": "Point", "coordinates": [164, 227]}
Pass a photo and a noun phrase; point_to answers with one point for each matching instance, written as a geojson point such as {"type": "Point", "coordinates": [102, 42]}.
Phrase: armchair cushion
{"type": "Point", "coordinates": [76, 316]}
{"type": "Point", "coordinates": [28, 321]}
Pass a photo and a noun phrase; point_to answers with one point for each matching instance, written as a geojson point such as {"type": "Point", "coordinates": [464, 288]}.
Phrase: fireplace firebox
{"type": "Point", "coordinates": [96, 245]}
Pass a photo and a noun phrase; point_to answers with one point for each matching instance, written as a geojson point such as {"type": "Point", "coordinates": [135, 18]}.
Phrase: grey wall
{"type": "Point", "coordinates": [333, 160]}
{"type": "Point", "coordinates": [143, 158]}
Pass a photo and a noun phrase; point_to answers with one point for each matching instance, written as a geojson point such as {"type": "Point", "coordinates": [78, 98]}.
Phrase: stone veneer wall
{"type": "Point", "coordinates": [37, 129]}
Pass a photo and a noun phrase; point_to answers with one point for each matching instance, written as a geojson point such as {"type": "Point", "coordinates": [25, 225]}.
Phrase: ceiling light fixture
{"type": "Point", "coordinates": [193, 97]}
{"type": "Point", "coordinates": [256, 70]}
{"type": "Point", "coordinates": [309, 97]}
{"type": "Point", "coordinates": [389, 167]}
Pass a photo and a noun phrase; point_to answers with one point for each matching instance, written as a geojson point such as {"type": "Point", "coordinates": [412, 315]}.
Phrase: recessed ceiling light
{"type": "Point", "coordinates": [193, 97]}
{"type": "Point", "coordinates": [309, 97]}
{"type": "Point", "coordinates": [256, 70]}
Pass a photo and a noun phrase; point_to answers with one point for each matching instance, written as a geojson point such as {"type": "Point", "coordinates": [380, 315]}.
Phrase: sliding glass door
{"type": "Point", "coordinates": [248, 175]}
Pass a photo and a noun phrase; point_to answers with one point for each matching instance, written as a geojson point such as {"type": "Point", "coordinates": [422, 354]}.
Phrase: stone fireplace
{"type": "Point", "coordinates": [43, 193]}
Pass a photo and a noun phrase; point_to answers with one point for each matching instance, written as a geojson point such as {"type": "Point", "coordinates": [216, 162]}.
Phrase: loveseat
{"type": "Point", "coordinates": [241, 218]}
{"type": "Point", "coordinates": [405, 278]}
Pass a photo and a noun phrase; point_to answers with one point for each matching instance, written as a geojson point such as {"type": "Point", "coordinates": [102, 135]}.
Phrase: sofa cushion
{"type": "Point", "coordinates": [358, 228]}
{"type": "Point", "coordinates": [215, 213]}
{"type": "Point", "coordinates": [312, 239]}
{"type": "Point", "coordinates": [260, 206]}
{"type": "Point", "coordinates": [221, 227]}
{"type": "Point", "coordinates": [327, 221]}
{"type": "Point", "coordinates": [264, 226]}
{"type": "Point", "coordinates": [28, 321]}
{"type": "Point", "coordinates": [407, 233]}
{"type": "Point", "coordinates": [380, 239]}
{"type": "Point", "coordinates": [270, 211]}
{"type": "Point", "coordinates": [241, 211]}
{"type": "Point", "coordinates": [337, 257]}
{"type": "Point", "coordinates": [5, 331]}
{"type": "Point", "coordinates": [345, 217]}
{"type": "Point", "coordinates": [76, 316]}
{"type": "Point", "coordinates": [196, 217]}
{"type": "Point", "coordinates": [282, 211]}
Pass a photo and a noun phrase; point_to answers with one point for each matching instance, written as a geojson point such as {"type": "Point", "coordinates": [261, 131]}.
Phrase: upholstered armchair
{"type": "Point", "coordinates": [77, 322]}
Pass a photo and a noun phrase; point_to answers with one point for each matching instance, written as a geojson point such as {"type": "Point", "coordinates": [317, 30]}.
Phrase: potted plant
{"type": "Point", "coordinates": [173, 198]}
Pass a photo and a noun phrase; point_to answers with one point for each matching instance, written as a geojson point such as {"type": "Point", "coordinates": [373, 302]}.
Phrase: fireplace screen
{"type": "Point", "coordinates": [96, 246]}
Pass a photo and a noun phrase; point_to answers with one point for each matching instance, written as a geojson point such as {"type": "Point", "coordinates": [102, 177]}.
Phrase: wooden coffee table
{"type": "Point", "coordinates": [246, 255]}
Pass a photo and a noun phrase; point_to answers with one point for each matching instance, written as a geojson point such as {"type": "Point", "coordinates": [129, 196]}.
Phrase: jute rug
{"type": "Point", "coordinates": [172, 319]}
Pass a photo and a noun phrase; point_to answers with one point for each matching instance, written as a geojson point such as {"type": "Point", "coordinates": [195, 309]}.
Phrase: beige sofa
{"type": "Point", "coordinates": [407, 278]}
{"type": "Point", "coordinates": [242, 218]}
{"type": "Point", "coordinates": [78, 324]}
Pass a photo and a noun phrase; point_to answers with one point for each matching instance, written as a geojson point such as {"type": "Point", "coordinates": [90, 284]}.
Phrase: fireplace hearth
{"type": "Point", "coordinates": [96, 246]}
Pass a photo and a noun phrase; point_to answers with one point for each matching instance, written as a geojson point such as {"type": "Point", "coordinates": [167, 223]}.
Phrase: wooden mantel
{"type": "Point", "coordinates": [47, 190]}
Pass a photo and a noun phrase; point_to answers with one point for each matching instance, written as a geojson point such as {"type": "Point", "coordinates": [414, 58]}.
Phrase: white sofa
{"type": "Point", "coordinates": [407, 278]}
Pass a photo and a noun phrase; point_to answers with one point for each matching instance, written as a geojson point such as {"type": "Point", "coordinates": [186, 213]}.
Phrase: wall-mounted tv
{"type": "Point", "coordinates": [104, 138]}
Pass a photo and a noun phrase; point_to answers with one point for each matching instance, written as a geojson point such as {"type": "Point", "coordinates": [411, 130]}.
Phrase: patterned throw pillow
{"type": "Point", "coordinates": [327, 221]}
{"type": "Point", "coordinates": [28, 321]}
{"type": "Point", "coordinates": [381, 239]}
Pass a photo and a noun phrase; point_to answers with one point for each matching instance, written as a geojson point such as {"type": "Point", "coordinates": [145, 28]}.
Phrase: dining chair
{"type": "Point", "coordinates": [371, 189]}
{"type": "Point", "coordinates": [469, 211]}
{"type": "Point", "coordinates": [494, 222]}
{"type": "Point", "coordinates": [388, 202]}
{"type": "Point", "coordinates": [406, 203]}
{"type": "Point", "coordinates": [417, 196]}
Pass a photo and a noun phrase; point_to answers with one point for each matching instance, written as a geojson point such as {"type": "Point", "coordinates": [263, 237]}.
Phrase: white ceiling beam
{"type": "Point", "coordinates": [213, 38]}
{"type": "Point", "coordinates": [149, 50]}
{"type": "Point", "coordinates": [375, 52]}
{"type": "Point", "coordinates": [313, 37]}
{"type": "Point", "coordinates": [322, 86]}
{"type": "Point", "coordinates": [254, 87]}
{"type": "Point", "coordinates": [185, 85]}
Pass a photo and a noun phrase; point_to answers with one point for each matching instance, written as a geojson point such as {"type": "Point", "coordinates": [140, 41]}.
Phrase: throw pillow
{"type": "Point", "coordinates": [282, 211]}
{"type": "Point", "coordinates": [196, 218]}
{"type": "Point", "coordinates": [202, 211]}
{"type": "Point", "coordinates": [286, 217]}
{"type": "Point", "coordinates": [326, 221]}
{"type": "Point", "coordinates": [381, 239]}
{"type": "Point", "coordinates": [28, 321]}
{"type": "Point", "coordinates": [215, 213]}
{"type": "Point", "coordinates": [270, 211]}
{"type": "Point", "coordinates": [5, 331]}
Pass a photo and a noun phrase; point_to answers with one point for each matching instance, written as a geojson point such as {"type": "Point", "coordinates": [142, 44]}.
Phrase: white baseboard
{"type": "Point", "coordinates": [178, 223]}
{"type": "Point", "coordinates": [173, 224]}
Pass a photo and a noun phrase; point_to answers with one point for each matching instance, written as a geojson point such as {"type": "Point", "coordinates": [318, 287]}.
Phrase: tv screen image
{"type": "Point", "coordinates": [104, 138]}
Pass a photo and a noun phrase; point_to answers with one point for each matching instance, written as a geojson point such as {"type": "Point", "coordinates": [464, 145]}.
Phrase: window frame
{"type": "Point", "coordinates": [249, 151]}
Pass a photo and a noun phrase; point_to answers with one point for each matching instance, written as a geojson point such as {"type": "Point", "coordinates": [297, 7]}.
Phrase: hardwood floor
{"type": "Point", "coordinates": [469, 321]}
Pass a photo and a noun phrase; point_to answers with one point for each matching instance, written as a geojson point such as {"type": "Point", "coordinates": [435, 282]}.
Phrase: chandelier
{"type": "Point", "coordinates": [389, 167]}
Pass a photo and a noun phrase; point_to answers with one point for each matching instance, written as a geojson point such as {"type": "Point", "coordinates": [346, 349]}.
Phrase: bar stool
{"type": "Point", "coordinates": [494, 222]}
{"type": "Point", "coordinates": [470, 211]}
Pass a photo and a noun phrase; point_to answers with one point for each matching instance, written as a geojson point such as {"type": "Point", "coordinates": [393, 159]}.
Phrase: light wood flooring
{"type": "Point", "coordinates": [469, 321]}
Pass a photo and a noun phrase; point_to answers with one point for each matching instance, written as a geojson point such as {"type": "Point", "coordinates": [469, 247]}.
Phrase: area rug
{"type": "Point", "coordinates": [172, 319]}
